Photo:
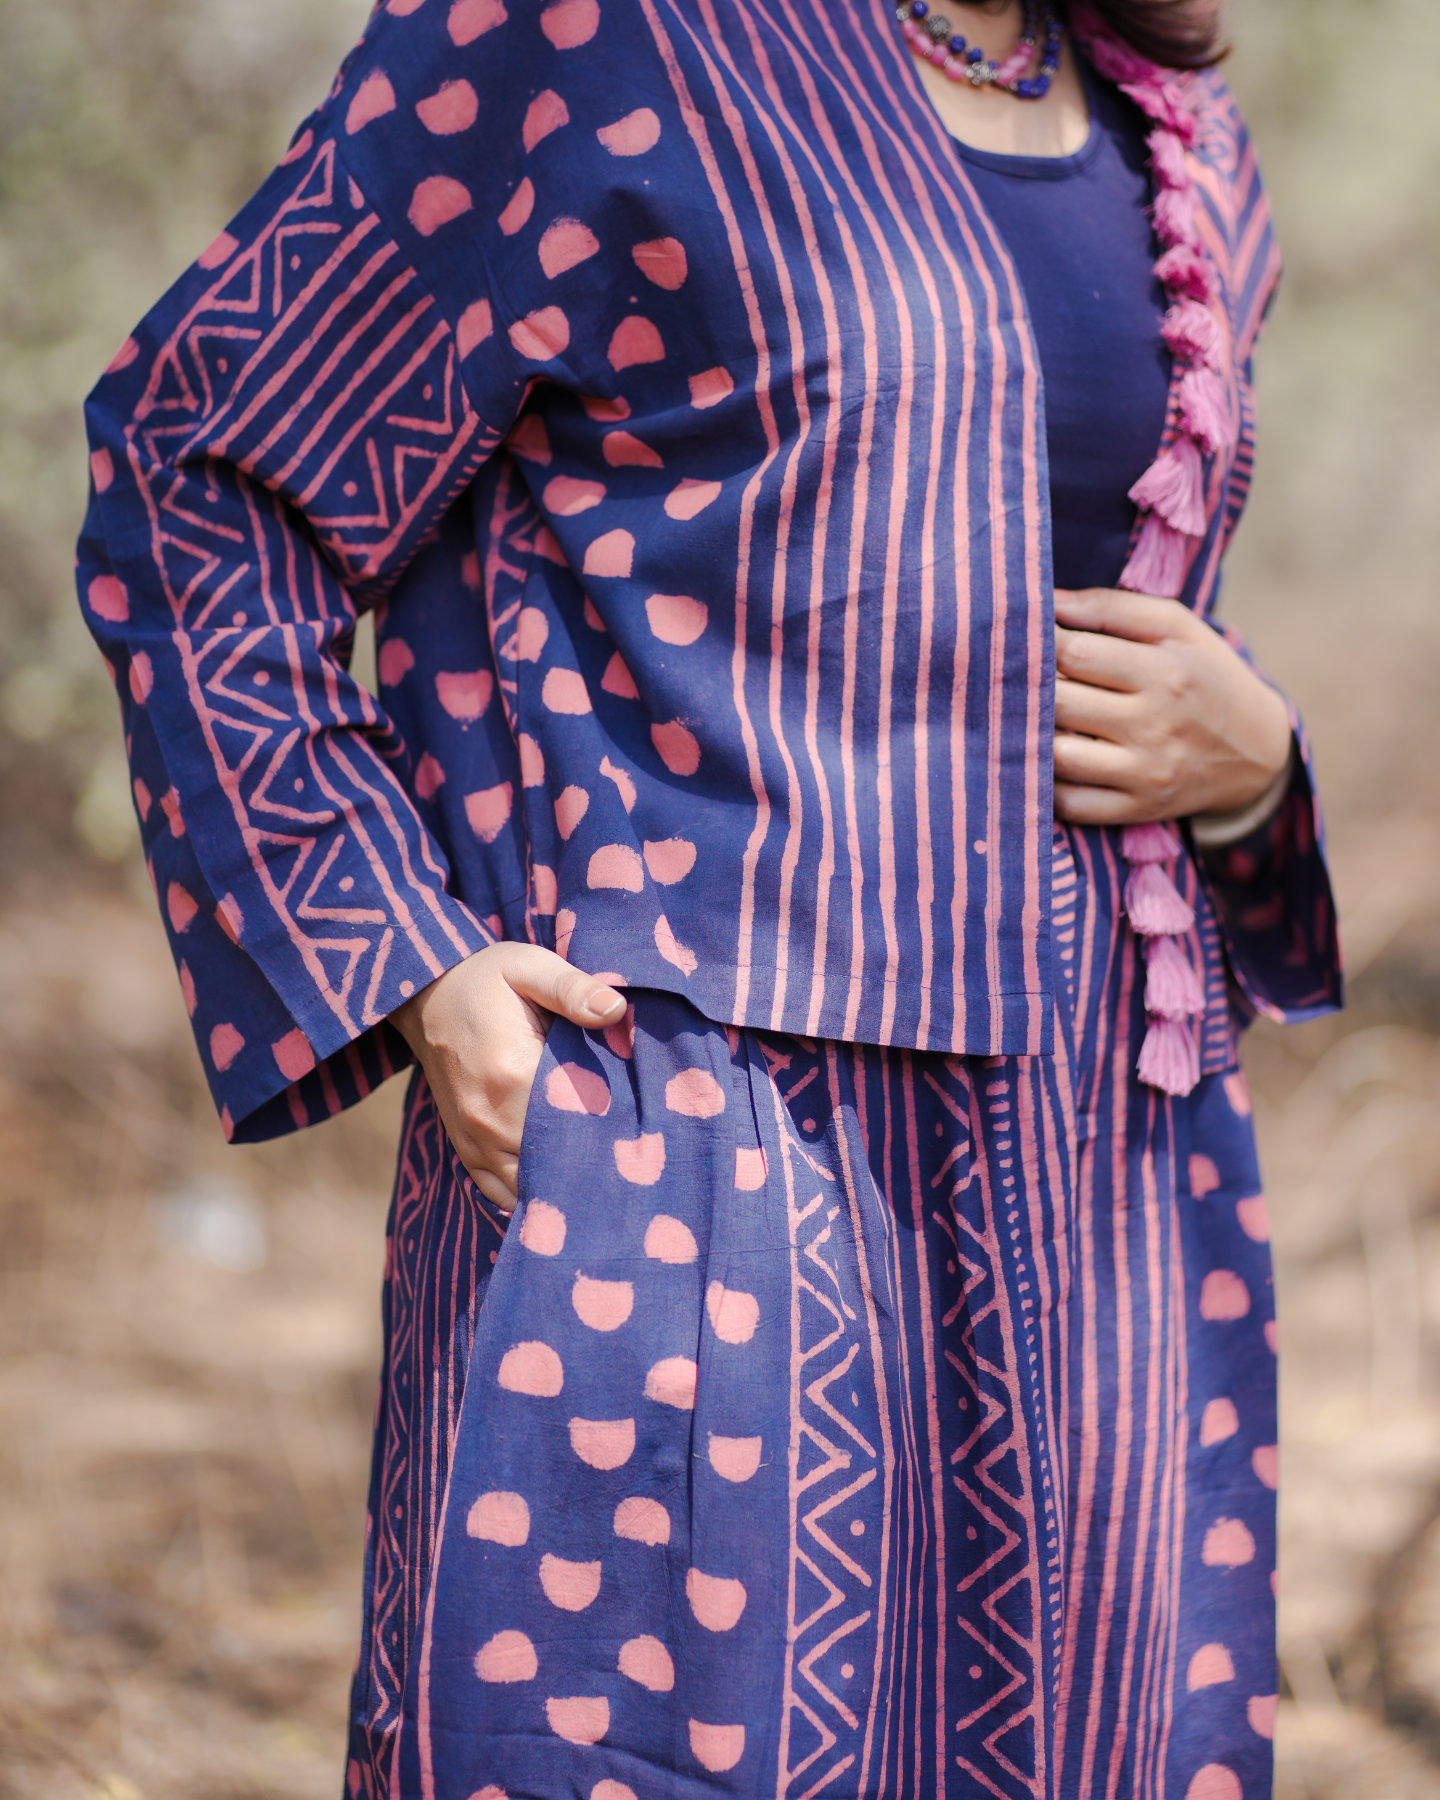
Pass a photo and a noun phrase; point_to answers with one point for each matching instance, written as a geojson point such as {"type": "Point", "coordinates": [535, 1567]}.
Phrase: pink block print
{"type": "Point", "coordinates": [603, 1790]}
{"type": "Point", "coordinates": [571, 805]}
{"type": "Point", "coordinates": [547, 112]}
{"type": "Point", "coordinates": [293, 1056]}
{"type": "Point", "coordinates": [1237, 1092]}
{"type": "Point", "coordinates": [466, 695]}
{"type": "Point", "coordinates": [544, 889]}
{"type": "Point", "coordinates": [691, 498]}
{"type": "Point", "coordinates": [716, 1601]}
{"type": "Point", "coordinates": [226, 1044]}
{"type": "Point", "coordinates": [1223, 1296]}
{"type": "Point", "coordinates": [1218, 1422]}
{"type": "Point", "coordinates": [570, 23]}
{"type": "Point", "coordinates": [618, 680]}
{"type": "Point", "coordinates": [662, 261]}
{"type": "Point", "coordinates": [1204, 1177]}
{"type": "Point", "coordinates": [108, 598]}
{"type": "Point", "coordinates": [677, 618]}
{"type": "Point", "coordinates": [642, 1521]}
{"type": "Point", "coordinates": [677, 746]}
{"type": "Point", "coordinates": [646, 1660]}
{"type": "Point", "coordinates": [710, 387]}
{"type": "Point", "coordinates": [518, 208]}
{"type": "Point", "coordinates": [489, 811]}
{"type": "Point", "coordinates": [623, 450]}
{"type": "Point", "coordinates": [541, 335]}
{"type": "Point", "coordinates": [532, 1368]}
{"type": "Point", "coordinates": [616, 866]}
{"type": "Point", "coordinates": [603, 1443]}
{"type": "Point", "coordinates": [602, 1305]}
{"type": "Point", "coordinates": [506, 1657]}
{"type": "Point", "coordinates": [567, 495]}
{"type": "Point", "coordinates": [565, 245]}
{"type": "Point", "coordinates": [429, 777]}
{"type": "Point", "coordinates": [750, 1169]}
{"type": "Point", "coordinates": [672, 1382]}
{"type": "Point", "coordinates": [218, 251]}
{"type": "Point", "coordinates": [1228, 1545]}
{"type": "Point", "coordinates": [670, 947]}
{"type": "Point", "coordinates": [102, 473]}
{"type": "Point", "coordinates": [717, 1747]}
{"type": "Point", "coordinates": [437, 201]}
{"type": "Point", "coordinates": [142, 677]}
{"type": "Point", "coordinates": [633, 135]}
{"type": "Point", "coordinates": [532, 760]}
{"type": "Point", "coordinates": [733, 1315]}
{"type": "Point", "coordinates": [564, 691]}
{"type": "Point", "coordinates": [1266, 1464]}
{"type": "Point", "coordinates": [734, 1458]}
{"type": "Point", "coordinates": [476, 324]}
{"type": "Point", "coordinates": [671, 1241]}
{"type": "Point", "coordinates": [1261, 1710]}
{"type": "Point", "coordinates": [624, 785]}
{"type": "Point", "coordinates": [453, 107]}
{"type": "Point", "coordinates": [571, 1088]}
{"type": "Point", "coordinates": [187, 989]}
{"type": "Point", "coordinates": [642, 1159]}
{"type": "Point", "coordinates": [470, 19]}
{"type": "Point", "coordinates": [695, 1094]}
{"type": "Point", "coordinates": [499, 1518]}
{"type": "Point", "coordinates": [1209, 1667]}
{"type": "Point", "coordinates": [395, 661]}
{"type": "Point", "coordinates": [669, 861]}
{"type": "Point", "coordinates": [572, 1586]}
{"type": "Point", "coordinates": [1215, 1782]}
{"type": "Point", "coordinates": [180, 906]}
{"type": "Point", "coordinates": [580, 1720]}
{"type": "Point", "coordinates": [373, 99]}
{"type": "Point", "coordinates": [1254, 1217]}
{"type": "Point", "coordinates": [543, 1228]}
{"type": "Point", "coordinates": [611, 554]}
{"type": "Point", "coordinates": [635, 340]}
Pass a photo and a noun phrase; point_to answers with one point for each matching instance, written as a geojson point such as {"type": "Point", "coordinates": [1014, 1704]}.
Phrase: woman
{"type": "Point", "coordinates": [742, 420]}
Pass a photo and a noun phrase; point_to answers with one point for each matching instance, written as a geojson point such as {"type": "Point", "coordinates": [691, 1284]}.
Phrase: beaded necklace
{"type": "Point", "coordinates": [935, 40]}
{"type": "Point", "coordinates": [1170, 495]}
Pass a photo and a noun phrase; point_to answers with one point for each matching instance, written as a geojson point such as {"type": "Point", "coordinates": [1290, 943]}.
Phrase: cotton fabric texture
{"type": "Point", "coordinates": [657, 377]}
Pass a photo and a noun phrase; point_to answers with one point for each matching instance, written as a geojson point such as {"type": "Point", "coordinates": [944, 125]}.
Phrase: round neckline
{"type": "Point", "coordinates": [1042, 168]}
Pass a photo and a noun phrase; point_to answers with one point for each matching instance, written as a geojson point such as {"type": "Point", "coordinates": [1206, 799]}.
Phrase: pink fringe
{"type": "Point", "coordinates": [1204, 410]}
{"type": "Point", "coordinates": [1157, 842]}
{"type": "Point", "coordinates": [1154, 907]}
{"type": "Point", "coordinates": [1172, 989]}
{"type": "Point", "coordinates": [1185, 274]}
{"type": "Point", "coordinates": [1167, 158]}
{"type": "Point", "coordinates": [1174, 216]}
{"type": "Point", "coordinates": [1157, 563]}
{"type": "Point", "coordinates": [1174, 487]}
{"type": "Point", "coordinates": [1169, 1059]}
{"type": "Point", "coordinates": [1193, 333]}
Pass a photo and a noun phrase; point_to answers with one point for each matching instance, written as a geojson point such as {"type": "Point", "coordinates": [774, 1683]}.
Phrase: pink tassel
{"type": "Point", "coordinates": [1204, 409]}
{"type": "Point", "coordinates": [1184, 272]}
{"type": "Point", "coordinates": [1157, 563]}
{"type": "Point", "coordinates": [1193, 333]}
{"type": "Point", "coordinates": [1157, 842]}
{"type": "Point", "coordinates": [1167, 158]}
{"type": "Point", "coordinates": [1172, 990]}
{"type": "Point", "coordinates": [1174, 487]}
{"type": "Point", "coordinates": [1154, 907]}
{"type": "Point", "coordinates": [1174, 216]}
{"type": "Point", "coordinates": [1169, 1059]}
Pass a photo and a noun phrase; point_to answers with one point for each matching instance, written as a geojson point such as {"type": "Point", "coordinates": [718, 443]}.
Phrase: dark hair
{"type": "Point", "coordinates": [1177, 34]}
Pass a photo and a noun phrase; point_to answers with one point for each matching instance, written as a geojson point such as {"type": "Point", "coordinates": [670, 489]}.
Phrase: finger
{"type": "Point", "coordinates": [497, 1192]}
{"type": "Point", "coordinates": [1080, 805]}
{"type": "Point", "coordinates": [1143, 618]}
{"type": "Point", "coordinates": [556, 985]}
{"type": "Point", "coordinates": [1095, 711]}
{"type": "Point", "coordinates": [1093, 762]}
{"type": "Point", "coordinates": [1109, 662]}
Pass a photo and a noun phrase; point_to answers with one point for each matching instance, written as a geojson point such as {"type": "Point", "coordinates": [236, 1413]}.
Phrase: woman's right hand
{"type": "Point", "coordinates": [478, 1032]}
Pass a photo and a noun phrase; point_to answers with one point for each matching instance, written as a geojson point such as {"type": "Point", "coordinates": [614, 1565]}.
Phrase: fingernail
{"type": "Point", "coordinates": [604, 1005]}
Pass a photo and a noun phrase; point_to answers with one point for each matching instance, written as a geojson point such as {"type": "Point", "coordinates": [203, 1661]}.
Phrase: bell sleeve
{"type": "Point", "coordinates": [271, 451]}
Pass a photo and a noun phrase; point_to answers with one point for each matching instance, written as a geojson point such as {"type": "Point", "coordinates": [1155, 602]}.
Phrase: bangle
{"type": "Point", "coordinates": [1213, 831]}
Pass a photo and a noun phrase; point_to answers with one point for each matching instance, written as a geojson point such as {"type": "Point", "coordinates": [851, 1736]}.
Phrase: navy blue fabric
{"type": "Point", "coordinates": [1080, 237]}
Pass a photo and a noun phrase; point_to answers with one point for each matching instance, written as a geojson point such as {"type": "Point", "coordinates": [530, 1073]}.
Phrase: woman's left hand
{"type": "Point", "coordinates": [1156, 717]}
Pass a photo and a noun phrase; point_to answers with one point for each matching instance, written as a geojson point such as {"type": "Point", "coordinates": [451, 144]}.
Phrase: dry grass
{"type": "Point", "coordinates": [182, 1444]}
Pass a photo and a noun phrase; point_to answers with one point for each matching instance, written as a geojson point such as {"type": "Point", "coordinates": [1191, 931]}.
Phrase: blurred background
{"type": "Point", "coordinates": [189, 1334]}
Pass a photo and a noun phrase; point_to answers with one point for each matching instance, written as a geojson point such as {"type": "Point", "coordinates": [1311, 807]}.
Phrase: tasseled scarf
{"type": "Point", "coordinates": [1171, 498]}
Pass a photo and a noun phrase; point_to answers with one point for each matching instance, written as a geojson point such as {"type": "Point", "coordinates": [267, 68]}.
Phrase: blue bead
{"type": "Point", "coordinates": [976, 55]}
{"type": "Point", "coordinates": [918, 9]}
{"type": "Point", "coordinates": [957, 43]}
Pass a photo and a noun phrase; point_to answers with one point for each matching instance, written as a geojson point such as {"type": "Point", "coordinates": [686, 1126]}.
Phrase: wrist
{"type": "Point", "coordinates": [1214, 831]}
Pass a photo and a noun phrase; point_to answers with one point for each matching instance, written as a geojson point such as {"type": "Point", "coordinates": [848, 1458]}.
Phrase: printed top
{"type": "Point", "coordinates": [656, 375]}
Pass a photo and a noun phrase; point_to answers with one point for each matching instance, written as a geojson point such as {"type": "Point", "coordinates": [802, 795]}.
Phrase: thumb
{"type": "Point", "coordinates": [556, 985]}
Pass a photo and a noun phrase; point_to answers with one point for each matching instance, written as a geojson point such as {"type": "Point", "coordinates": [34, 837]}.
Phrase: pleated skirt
{"type": "Point", "coordinates": [832, 1419]}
